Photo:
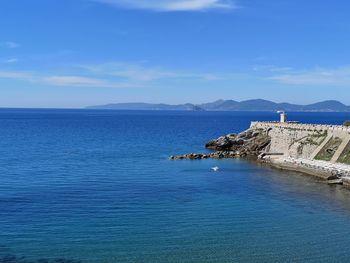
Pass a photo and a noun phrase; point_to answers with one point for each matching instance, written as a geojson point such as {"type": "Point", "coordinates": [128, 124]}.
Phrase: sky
{"type": "Point", "coordinates": [75, 53]}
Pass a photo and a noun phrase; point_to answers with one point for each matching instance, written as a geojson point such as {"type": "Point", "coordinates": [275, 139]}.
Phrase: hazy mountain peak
{"type": "Point", "coordinates": [231, 105]}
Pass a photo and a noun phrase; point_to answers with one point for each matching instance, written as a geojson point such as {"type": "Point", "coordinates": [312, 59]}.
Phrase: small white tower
{"type": "Point", "coordinates": [283, 116]}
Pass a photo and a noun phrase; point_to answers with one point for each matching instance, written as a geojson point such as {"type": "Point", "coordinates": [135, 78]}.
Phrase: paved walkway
{"type": "Point", "coordinates": [342, 170]}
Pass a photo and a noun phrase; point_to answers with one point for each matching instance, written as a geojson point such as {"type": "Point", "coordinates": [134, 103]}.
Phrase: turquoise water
{"type": "Point", "coordinates": [96, 186]}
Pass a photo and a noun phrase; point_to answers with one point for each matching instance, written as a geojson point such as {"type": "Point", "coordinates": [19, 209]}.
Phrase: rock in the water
{"type": "Point", "coordinates": [197, 156]}
{"type": "Point", "coordinates": [248, 143]}
{"type": "Point", "coordinates": [190, 156]}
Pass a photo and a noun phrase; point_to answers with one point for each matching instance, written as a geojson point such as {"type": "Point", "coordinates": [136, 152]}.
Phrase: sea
{"type": "Point", "coordinates": [97, 186]}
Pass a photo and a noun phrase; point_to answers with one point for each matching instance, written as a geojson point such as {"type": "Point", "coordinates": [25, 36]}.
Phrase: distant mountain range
{"type": "Point", "coordinates": [231, 105]}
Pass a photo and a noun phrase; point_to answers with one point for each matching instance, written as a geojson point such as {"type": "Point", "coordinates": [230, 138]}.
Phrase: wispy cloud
{"type": "Point", "coordinates": [63, 80]}
{"type": "Point", "coordinates": [133, 72]}
{"type": "Point", "coordinates": [10, 60]}
{"type": "Point", "coordinates": [140, 73]}
{"type": "Point", "coordinates": [319, 76]}
{"type": "Point", "coordinates": [10, 44]}
{"type": "Point", "coordinates": [172, 5]}
{"type": "Point", "coordinates": [21, 75]}
{"type": "Point", "coordinates": [79, 81]}
{"type": "Point", "coordinates": [271, 68]}
{"type": "Point", "coordinates": [110, 75]}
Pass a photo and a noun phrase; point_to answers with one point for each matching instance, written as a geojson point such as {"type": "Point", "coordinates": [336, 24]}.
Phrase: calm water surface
{"type": "Point", "coordinates": [96, 186]}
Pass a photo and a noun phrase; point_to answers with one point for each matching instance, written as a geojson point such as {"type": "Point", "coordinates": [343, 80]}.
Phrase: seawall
{"type": "Point", "coordinates": [321, 150]}
{"type": "Point", "coordinates": [307, 141]}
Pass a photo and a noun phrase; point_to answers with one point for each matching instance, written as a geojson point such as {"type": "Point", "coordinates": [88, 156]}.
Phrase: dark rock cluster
{"type": "Point", "coordinates": [249, 143]}
{"type": "Point", "coordinates": [215, 155]}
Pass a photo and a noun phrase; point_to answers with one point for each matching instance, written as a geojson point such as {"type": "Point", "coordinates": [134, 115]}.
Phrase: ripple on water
{"type": "Point", "coordinates": [96, 186]}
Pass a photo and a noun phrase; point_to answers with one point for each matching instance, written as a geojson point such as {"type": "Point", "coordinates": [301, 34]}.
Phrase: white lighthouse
{"type": "Point", "coordinates": [283, 116]}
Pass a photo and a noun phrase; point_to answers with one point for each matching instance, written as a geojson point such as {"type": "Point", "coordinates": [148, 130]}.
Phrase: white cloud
{"type": "Point", "coordinates": [111, 75]}
{"type": "Point", "coordinates": [10, 44]}
{"type": "Point", "coordinates": [271, 68]}
{"type": "Point", "coordinates": [79, 81]}
{"type": "Point", "coordinates": [10, 60]}
{"type": "Point", "coordinates": [62, 80]}
{"type": "Point", "coordinates": [318, 76]}
{"type": "Point", "coordinates": [139, 73]}
{"type": "Point", "coordinates": [22, 75]}
{"type": "Point", "coordinates": [172, 5]}
{"type": "Point", "coordinates": [134, 72]}
{"type": "Point", "coordinates": [73, 81]}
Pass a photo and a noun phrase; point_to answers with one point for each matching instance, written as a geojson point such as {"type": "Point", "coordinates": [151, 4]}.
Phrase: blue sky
{"type": "Point", "coordinates": [74, 53]}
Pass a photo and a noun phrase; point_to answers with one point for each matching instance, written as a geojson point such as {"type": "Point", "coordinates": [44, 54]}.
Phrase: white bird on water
{"type": "Point", "coordinates": [215, 169]}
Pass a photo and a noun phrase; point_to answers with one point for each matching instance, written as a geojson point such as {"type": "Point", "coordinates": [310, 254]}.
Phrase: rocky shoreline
{"type": "Point", "coordinates": [256, 143]}
{"type": "Point", "coordinates": [250, 143]}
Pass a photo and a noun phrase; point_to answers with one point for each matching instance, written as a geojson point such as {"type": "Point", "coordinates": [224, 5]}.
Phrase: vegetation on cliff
{"type": "Point", "coordinates": [346, 123]}
{"type": "Point", "coordinates": [329, 149]}
{"type": "Point", "coordinates": [345, 156]}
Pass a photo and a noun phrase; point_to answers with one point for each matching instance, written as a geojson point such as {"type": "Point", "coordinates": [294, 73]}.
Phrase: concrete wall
{"type": "Point", "coordinates": [333, 128]}
{"type": "Point", "coordinates": [302, 140]}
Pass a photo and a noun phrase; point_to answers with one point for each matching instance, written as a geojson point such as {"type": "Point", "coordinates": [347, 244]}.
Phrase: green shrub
{"type": "Point", "coordinates": [329, 149]}
{"type": "Point", "coordinates": [346, 123]}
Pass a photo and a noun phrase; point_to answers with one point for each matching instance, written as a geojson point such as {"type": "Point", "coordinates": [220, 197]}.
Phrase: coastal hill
{"type": "Point", "coordinates": [232, 105]}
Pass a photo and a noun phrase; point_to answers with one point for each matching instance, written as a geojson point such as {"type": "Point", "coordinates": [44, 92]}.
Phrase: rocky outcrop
{"type": "Point", "coordinates": [249, 143]}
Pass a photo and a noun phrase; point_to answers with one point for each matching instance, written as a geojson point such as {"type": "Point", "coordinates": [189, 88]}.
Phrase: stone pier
{"type": "Point", "coordinates": [308, 141]}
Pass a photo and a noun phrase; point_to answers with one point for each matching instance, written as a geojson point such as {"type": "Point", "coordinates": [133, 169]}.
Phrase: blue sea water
{"type": "Point", "coordinates": [97, 186]}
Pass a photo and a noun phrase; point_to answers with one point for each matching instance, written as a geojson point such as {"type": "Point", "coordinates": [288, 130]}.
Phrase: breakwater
{"type": "Point", "coordinates": [321, 150]}
{"type": "Point", "coordinates": [308, 141]}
